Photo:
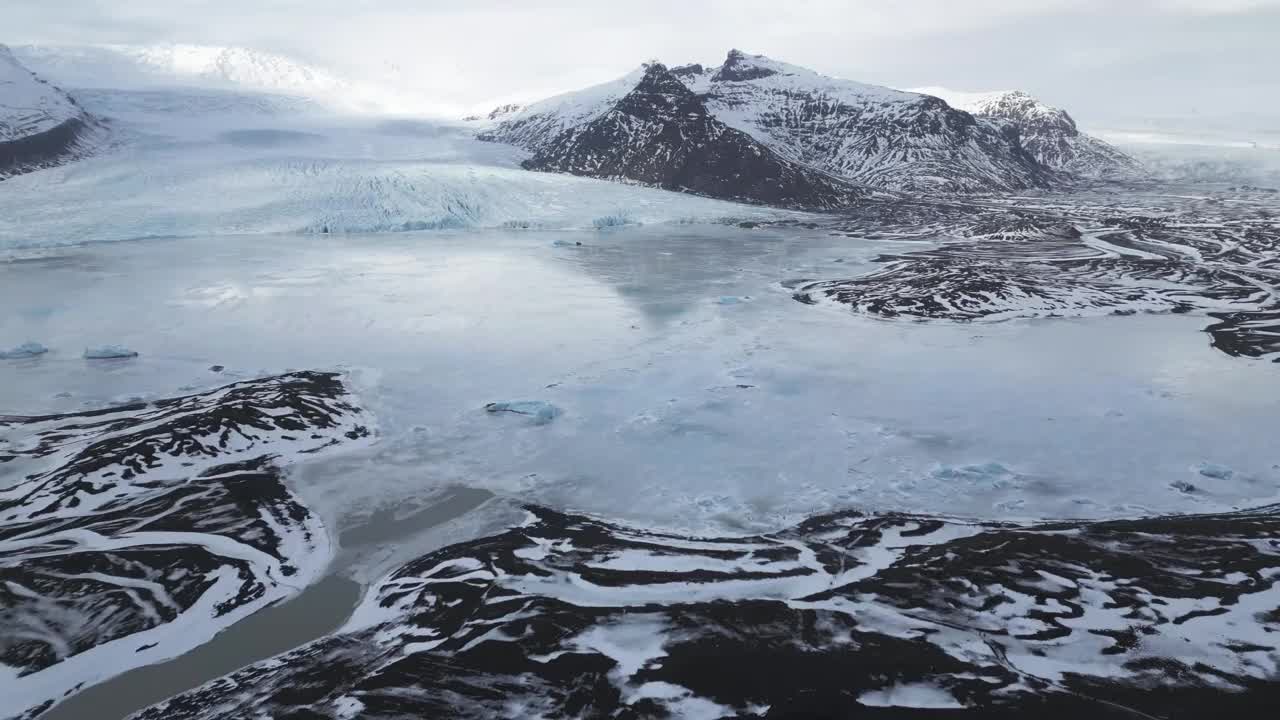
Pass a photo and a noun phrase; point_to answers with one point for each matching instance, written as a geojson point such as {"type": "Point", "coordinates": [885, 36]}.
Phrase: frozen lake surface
{"type": "Point", "coordinates": [693, 391]}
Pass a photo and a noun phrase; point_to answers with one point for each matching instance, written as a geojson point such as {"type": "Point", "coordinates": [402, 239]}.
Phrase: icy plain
{"type": "Point", "coordinates": [678, 409]}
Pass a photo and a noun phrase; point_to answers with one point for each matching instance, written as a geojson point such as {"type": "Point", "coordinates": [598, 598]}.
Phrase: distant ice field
{"type": "Point", "coordinates": [690, 390]}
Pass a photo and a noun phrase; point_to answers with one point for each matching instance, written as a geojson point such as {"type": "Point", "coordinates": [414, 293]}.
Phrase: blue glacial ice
{"type": "Point", "coordinates": [23, 351]}
{"type": "Point", "coordinates": [1217, 472]}
{"type": "Point", "coordinates": [542, 412]}
{"type": "Point", "coordinates": [108, 352]}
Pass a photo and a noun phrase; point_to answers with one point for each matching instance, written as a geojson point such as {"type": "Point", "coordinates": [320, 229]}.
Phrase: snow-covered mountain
{"type": "Point", "coordinates": [862, 133]}
{"type": "Point", "coordinates": [1048, 133]}
{"type": "Point", "coordinates": [662, 134]}
{"type": "Point", "coordinates": [40, 125]}
{"type": "Point", "coordinates": [539, 124]}
{"type": "Point", "coordinates": [213, 67]}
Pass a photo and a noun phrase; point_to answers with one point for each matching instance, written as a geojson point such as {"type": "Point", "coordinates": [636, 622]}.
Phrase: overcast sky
{"type": "Point", "coordinates": [1105, 60]}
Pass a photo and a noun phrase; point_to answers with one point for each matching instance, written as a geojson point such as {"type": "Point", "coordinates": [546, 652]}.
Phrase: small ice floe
{"type": "Point", "coordinates": [1217, 472]}
{"type": "Point", "coordinates": [540, 411]}
{"type": "Point", "coordinates": [991, 474]}
{"type": "Point", "coordinates": [733, 299]}
{"type": "Point", "coordinates": [108, 352]}
{"type": "Point", "coordinates": [25, 350]}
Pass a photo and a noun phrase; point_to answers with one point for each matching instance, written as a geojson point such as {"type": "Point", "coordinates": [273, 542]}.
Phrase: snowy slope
{"type": "Point", "coordinates": [213, 67]}
{"type": "Point", "coordinates": [29, 105]}
{"type": "Point", "coordinates": [866, 133]}
{"type": "Point", "coordinates": [535, 126]}
{"type": "Point", "coordinates": [40, 124]}
{"type": "Point", "coordinates": [1048, 133]}
{"type": "Point", "coordinates": [863, 133]}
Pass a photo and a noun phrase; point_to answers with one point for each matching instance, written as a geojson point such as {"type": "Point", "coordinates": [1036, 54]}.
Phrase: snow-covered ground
{"type": "Point", "coordinates": [676, 408]}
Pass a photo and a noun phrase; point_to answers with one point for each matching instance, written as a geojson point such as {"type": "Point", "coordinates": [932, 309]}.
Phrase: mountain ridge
{"type": "Point", "coordinates": [1048, 133]}
{"type": "Point", "coordinates": [661, 134]}
{"type": "Point", "coordinates": [863, 134]}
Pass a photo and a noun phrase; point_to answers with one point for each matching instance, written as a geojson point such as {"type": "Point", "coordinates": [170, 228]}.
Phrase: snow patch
{"type": "Point", "coordinates": [912, 695]}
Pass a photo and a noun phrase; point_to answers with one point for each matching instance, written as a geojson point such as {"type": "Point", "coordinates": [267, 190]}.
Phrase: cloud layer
{"type": "Point", "coordinates": [1106, 60]}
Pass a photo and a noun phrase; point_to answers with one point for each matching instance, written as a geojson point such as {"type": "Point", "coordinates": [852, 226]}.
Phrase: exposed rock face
{"type": "Point", "coordinates": [843, 615]}
{"type": "Point", "coordinates": [661, 134]}
{"type": "Point", "coordinates": [1049, 134]}
{"type": "Point", "coordinates": [40, 125]}
{"type": "Point", "coordinates": [864, 134]}
{"type": "Point", "coordinates": [867, 134]}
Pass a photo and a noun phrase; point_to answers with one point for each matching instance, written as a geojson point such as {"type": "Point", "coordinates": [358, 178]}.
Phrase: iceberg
{"type": "Point", "coordinates": [108, 352]}
{"type": "Point", "coordinates": [1215, 471]}
{"type": "Point", "coordinates": [25, 350]}
{"type": "Point", "coordinates": [541, 412]}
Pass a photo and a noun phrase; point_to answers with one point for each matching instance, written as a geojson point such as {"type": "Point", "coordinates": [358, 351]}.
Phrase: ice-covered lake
{"type": "Point", "coordinates": [694, 392]}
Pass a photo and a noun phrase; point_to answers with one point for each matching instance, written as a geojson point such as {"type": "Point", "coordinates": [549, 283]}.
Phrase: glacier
{"type": "Point", "coordinates": [260, 156]}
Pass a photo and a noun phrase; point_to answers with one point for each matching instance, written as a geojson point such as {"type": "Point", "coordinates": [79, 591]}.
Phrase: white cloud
{"type": "Point", "coordinates": [469, 52]}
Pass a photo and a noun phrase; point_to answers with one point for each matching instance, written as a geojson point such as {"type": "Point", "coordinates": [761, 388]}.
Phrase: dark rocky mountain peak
{"type": "Point", "coordinates": [690, 70]}
{"type": "Point", "coordinates": [661, 134]}
{"type": "Point", "coordinates": [741, 67]}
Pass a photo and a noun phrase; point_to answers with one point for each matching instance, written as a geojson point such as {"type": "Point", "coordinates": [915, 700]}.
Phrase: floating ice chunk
{"type": "Point", "coordinates": [25, 350]}
{"type": "Point", "coordinates": [992, 474]}
{"type": "Point", "coordinates": [542, 412]}
{"type": "Point", "coordinates": [1217, 472]}
{"type": "Point", "coordinates": [108, 352]}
